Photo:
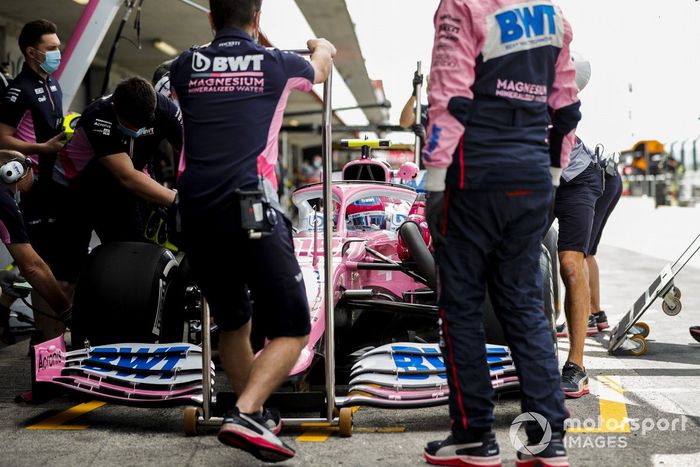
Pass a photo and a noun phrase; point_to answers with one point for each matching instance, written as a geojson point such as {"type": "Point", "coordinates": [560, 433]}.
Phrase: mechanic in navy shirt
{"type": "Point", "coordinates": [106, 165]}
{"type": "Point", "coordinates": [31, 122]}
{"type": "Point", "coordinates": [16, 176]}
{"type": "Point", "coordinates": [232, 94]}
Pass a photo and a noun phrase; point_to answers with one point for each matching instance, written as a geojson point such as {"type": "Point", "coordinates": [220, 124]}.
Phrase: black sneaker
{"type": "Point", "coordinates": [601, 320]}
{"type": "Point", "coordinates": [592, 326]}
{"type": "Point", "coordinates": [482, 453]}
{"type": "Point", "coordinates": [249, 432]}
{"type": "Point", "coordinates": [273, 420]}
{"type": "Point", "coordinates": [553, 455]}
{"type": "Point", "coordinates": [574, 380]}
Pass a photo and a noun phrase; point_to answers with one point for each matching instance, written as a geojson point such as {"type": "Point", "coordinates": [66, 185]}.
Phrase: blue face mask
{"type": "Point", "coordinates": [130, 132]}
{"type": "Point", "coordinates": [51, 62]}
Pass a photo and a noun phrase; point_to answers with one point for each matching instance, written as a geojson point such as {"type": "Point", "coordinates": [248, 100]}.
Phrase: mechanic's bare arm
{"type": "Point", "coordinates": [137, 182]}
{"type": "Point", "coordinates": [38, 274]}
{"type": "Point", "coordinates": [322, 53]}
{"type": "Point", "coordinates": [408, 113]}
{"type": "Point", "coordinates": [9, 141]}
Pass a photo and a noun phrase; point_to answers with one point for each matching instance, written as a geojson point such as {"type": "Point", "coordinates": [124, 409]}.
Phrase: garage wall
{"type": "Point", "coordinates": [92, 84]}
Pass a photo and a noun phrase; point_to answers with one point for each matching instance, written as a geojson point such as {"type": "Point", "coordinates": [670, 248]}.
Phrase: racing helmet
{"type": "Point", "coordinates": [161, 79]}
{"type": "Point", "coordinates": [583, 70]}
{"type": "Point", "coordinates": [366, 212]}
{"type": "Point", "coordinates": [70, 122]}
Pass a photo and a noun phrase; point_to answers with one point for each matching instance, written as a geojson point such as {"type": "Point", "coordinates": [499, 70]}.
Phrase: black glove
{"type": "Point", "coordinates": [67, 316]}
{"type": "Point", "coordinates": [174, 215]}
{"type": "Point", "coordinates": [417, 80]}
{"type": "Point", "coordinates": [435, 215]}
{"type": "Point", "coordinates": [419, 131]}
{"type": "Point", "coordinates": [7, 281]}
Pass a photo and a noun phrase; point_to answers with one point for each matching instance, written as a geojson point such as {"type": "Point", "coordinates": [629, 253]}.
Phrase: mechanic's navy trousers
{"type": "Point", "coordinates": [495, 237]}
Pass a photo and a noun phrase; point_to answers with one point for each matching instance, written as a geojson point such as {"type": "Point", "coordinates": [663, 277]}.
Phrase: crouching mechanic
{"type": "Point", "coordinates": [15, 177]}
{"type": "Point", "coordinates": [232, 94]}
{"type": "Point", "coordinates": [106, 165]}
{"type": "Point", "coordinates": [491, 99]}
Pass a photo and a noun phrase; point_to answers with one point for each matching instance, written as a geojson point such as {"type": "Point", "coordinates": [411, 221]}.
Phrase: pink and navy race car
{"type": "Point", "coordinates": [385, 311]}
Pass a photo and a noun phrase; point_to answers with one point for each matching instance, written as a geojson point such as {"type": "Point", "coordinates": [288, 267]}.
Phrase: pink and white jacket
{"type": "Point", "coordinates": [502, 95]}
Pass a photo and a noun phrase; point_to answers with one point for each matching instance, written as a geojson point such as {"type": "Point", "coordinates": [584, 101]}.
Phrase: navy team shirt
{"type": "Point", "coordinates": [33, 105]}
{"type": "Point", "coordinates": [232, 93]}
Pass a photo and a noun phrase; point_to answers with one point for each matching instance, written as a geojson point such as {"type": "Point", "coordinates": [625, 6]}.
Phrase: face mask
{"type": "Point", "coordinates": [317, 163]}
{"type": "Point", "coordinates": [51, 62]}
{"type": "Point", "coordinates": [130, 132]}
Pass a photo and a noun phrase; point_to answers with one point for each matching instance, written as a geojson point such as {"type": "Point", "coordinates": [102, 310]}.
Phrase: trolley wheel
{"type": "Point", "coordinates": [641, 328]}
{"type": "Point", "coordinates": [671, 311]}
{"type": "Point", "coordinates": [191, 418]}
{"type": "Point", "coordinates": [641, 346]}
{"type": "Point", "coordinates": [345, 422]}
{"type": "Point", "coordinates": [677, 293]}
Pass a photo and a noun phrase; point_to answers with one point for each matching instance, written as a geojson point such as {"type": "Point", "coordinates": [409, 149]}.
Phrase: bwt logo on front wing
{"type": "Point", "coordinates": [201, 63]}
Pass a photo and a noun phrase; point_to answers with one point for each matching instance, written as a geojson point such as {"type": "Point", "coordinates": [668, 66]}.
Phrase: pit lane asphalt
{"type": "Point", "coordinates": [663, 384]}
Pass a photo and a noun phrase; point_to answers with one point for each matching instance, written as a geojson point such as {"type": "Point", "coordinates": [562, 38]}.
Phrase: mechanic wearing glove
{"type": "Point", "coordinates": [408, 113]}
{"type": "Point", "coordinates": [231, 126]}
{"type": "Point", "coordinates": [16, 176]}
{"type": "Point", "coordinates": [106, 165]}
{"type": "Point", "coordinates": [493, 89]}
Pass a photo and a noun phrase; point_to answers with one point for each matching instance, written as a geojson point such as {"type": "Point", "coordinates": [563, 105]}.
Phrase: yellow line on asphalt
{"type": "Point", "coordinates": [57, 421]}
{"type": "Point", "coordinates": [319, 432]}
{"type": "Point", "coordinates": [315, 436]}
{"type": "Point", "coordinates": [613, 410]}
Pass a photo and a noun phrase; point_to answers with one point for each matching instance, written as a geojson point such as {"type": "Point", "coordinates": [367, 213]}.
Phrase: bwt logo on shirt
{"type": "Point", "coordinates": [202, 63]}
{"type": "Point", "coordinates": [528, 21]}
{"type": "Point", "coordinates": [528, 26]}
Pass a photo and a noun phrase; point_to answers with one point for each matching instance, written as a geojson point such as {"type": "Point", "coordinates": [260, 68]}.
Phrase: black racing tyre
{"type": "Point", "coordinates": [492, 327]}
{"type": "Point", "coordinates": [548, 281]}
{"type": "Point", "coordinates": [411, 234]}
{"type": "Point", "coordinates": [127, 292]}
{"type": "Point", "coordinates": [550, 242]}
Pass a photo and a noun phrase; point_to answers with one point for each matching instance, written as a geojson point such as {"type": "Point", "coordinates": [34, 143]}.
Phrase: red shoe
{"type": "Point", "coordinates": [250, 433]}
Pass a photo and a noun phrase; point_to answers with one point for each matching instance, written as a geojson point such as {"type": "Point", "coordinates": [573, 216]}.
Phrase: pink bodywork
{"type": "Point", "coordinates": [308, 246]}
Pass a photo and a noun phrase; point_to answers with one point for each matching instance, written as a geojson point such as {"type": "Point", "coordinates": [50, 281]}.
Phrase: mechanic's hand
{"type": "Point", "coordinates": [7, 280]}
{"type": "Point", "coordinates": [417, 81]}
{"type": "Point", "coordinates": [435, 215]}
{"type": "Point", "coordinates": [174, 215]}
{"type": "Point", "coordinates": [55, 144]}
{"type": "Point", "coordinates": [67, 316]}
{"type": "Point", "coordinates": [556, 175]}
{"type": "Point", "coordinates": [419, 131]}
{"type": "Point", "coordinates": [320, 44]}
